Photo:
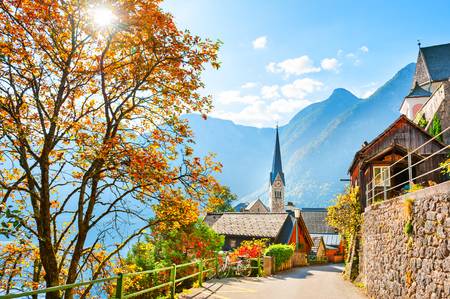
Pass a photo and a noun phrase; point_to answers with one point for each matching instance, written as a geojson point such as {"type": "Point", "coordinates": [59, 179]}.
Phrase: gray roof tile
{"type": "Point", "coordinates": [330, 240]}
{"type": "Point", "coordinates": [315, 220]}
{"type": "Point", "coordinates": [247, 224]}
{"type": "Point", "coordinates": [418, 92]}
{"type": "Point", "coordinates": [437, 59]}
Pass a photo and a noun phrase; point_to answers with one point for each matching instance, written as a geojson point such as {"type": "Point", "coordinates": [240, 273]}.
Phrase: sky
{"type": "Point", "coordinates": [281, 56]}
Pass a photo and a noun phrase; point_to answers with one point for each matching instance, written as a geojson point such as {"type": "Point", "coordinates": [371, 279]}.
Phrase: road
{"type": "Point", "coordinates": [315, 282]}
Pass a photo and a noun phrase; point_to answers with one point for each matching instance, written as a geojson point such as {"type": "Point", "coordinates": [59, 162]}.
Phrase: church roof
{"type": "Point", "coordinates": [418, 92]}
{"type": "Point", "coordinates": [276, 164]}
{"type": "Point", "coordinates": [437, 60]}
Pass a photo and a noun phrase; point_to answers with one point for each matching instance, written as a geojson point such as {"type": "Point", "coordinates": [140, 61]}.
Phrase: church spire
{"type": "Point", "coordinates": [276, 164]}
{"type": "Point", "coordinates": [277, 184]}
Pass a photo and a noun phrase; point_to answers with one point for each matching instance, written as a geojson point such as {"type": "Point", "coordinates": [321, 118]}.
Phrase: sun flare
{"type": "Point", "coordinates": [103, 16]}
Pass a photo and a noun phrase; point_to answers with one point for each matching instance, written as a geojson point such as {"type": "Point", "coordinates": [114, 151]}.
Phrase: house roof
{"type": "Point", "coordinates": [387, 130]}
{"type": "Point", "coordinates": [286, 232]}
{"type": "Point", "coordinates": [437, 61]}
{"type": "Point", "coordinates": [315, 220]}
{"type": "Point", "coordinates": [316, 243]}
{"type": "Point", "coordinates": [330, 240]}
{"type": "Point", "coordinates": [277, 168]}
{"type": "Point", "coordinates": [250, 205]}
{"type": "Point", "coordinates": [418, 92]}
{"type": "Point", "coordinates": [266, 225]}
{"type": "Point", "coordinates": [241, 206]}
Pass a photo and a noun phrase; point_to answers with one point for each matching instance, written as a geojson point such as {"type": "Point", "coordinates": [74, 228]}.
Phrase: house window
{"type": "Point", "coordinates": [232, 243]}
{"type": "Point", "coordinates": [382, 176]}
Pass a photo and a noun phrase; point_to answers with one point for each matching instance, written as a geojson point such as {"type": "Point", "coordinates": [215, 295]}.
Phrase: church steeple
{"type": "Point", "coordinates": [277, 182]}
{"type": "Point", "coordinates": [277, 167]}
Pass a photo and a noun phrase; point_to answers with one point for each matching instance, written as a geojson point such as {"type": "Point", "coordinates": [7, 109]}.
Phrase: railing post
{"type": "Point", "coordinates": [119, 287]}
{"type": "Point", "coordinates": [367, 195]}
{"type": "Point", "coordinates": [373, 193]}
{"type": "Point", "coordinates": [410, 171]}
{"type": "Point", "coordinates": [173, 278]}
{"type": "Point", "coordinates": [155, 278]}
{"type": "Point", "coordinates": [259, 266]}
{"type": "Point", "coordinates": [200, 272]}
{"type": "Point", "coordinates": [216, 261]}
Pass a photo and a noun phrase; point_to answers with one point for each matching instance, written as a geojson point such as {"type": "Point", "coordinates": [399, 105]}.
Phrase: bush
{"type": "Point", "coordinates": [282, 253]}
{"type": "Point", "coordinates": [251, 248]}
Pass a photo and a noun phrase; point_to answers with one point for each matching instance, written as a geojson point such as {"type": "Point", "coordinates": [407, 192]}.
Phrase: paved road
{"type": "Point", "coordinates": [315, 282]}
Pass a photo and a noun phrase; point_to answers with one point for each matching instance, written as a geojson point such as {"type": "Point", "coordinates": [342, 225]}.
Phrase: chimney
{"type": "Point", "coordinates": [290, 206]}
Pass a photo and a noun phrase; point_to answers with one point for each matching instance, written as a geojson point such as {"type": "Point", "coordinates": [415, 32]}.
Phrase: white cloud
{"type": "Point", "coordinates": [273, 104]}
{"type": "Point", "coordinates": [355, 58]}
{"type": "Point", "coordinates": [301, 87]}
{"type": "Point", "coordinates": [368, 93]}
{"type": "Point", "coordinates": [330, 64]}
{"type": "Point", "coordinates": [234, 96]}
{"type": "Point", "coordinates": [294, 66]}
{"type": "Point", "coordinates": [260, 42]}
{"type": "Point", "coordinates": [340, 52]}
{"type": "Point", "coordinates": [367, 90]}
{"type": "Point", "coordinates": [262, 114]}
{"type": "Point", "coordinates": [249, 85]}
{"type": "Point", "coordinates": [364, 49]}
{"type": "Point", "coordinates": [270, 91]}
{"type": "Point", "coordinates": [287, 106]}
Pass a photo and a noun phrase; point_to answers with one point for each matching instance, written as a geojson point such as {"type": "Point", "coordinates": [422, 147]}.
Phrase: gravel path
{"type": "Point", "coordinates": [315, 282]}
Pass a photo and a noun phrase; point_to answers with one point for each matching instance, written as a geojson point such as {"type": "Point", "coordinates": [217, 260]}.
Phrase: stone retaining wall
{"type": "Point", "coordinates": [395, 264]}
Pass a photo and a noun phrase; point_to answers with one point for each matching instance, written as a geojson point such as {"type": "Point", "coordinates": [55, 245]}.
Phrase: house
{"type": "Point", "coordinates": [315, 220]}
{"type": "Point", "coordinates": [318, 249]}
{"type": "Point", "coordinates": [381, 164]}
{"type": "Point", "coordinates": [430, 93]}
{"type": "Point", "coordinates": [282, 228]}
{"type": "Point", "coordinates": [256, 206]}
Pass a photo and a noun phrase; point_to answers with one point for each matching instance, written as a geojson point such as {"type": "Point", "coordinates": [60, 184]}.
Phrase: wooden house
{"type": "Point", "coordinates": [315, 220]}
{"type": "Point", "coordinates": [384, 163]}
{"type": "Point", "coordinates": [318, 249]}
{"type": "Point", "coordinates": [279, 228]}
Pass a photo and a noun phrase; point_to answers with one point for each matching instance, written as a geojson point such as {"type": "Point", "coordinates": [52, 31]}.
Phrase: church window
{"type": "Point", "coordinates": [277, 194]}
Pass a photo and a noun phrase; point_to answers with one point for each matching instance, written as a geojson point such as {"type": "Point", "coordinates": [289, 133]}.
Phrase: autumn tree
{"type": "Point", "coordinates": [346, 216]}
{"type": "Point", "coordinates": [91, 139]}
{"type": "Point", "coordinates": [222, 199]}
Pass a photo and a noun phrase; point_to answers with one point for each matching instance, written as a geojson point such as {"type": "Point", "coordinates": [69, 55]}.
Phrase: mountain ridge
{"type": "Point", "coordinates": [317, 144]}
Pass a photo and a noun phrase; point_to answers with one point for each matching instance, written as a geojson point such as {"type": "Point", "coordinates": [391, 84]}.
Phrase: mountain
{"type": "Point", "coordinates": [317, 145]}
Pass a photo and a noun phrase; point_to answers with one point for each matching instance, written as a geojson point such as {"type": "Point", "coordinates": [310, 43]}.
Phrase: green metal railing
{"type": "Point", "coordinates": [120, 294]}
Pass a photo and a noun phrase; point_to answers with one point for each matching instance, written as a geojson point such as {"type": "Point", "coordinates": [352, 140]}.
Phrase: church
{"type": "Point", "coordinates": [279, 223]}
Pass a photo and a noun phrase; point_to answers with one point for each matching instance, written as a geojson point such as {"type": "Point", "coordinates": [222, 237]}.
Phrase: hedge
{"type": "Point", "coordinates": [281, 252]}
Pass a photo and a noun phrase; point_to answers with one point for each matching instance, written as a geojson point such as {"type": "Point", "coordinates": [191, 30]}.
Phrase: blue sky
{"type": "Point", "coordinates": [280, 56]}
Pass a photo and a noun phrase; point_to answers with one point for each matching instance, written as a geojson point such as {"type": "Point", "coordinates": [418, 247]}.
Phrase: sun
{"type": "Point", "coordinates": [103, 16]}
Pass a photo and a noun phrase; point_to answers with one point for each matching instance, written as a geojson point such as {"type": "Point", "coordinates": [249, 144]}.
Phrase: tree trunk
{"type": "Point", "coordinates": [352, 263]}
{"type": "Point", "coordinates": [46, 250]}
